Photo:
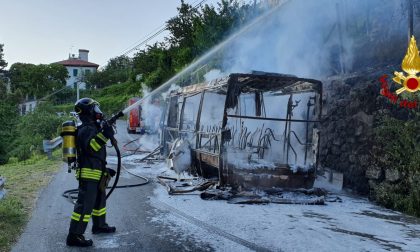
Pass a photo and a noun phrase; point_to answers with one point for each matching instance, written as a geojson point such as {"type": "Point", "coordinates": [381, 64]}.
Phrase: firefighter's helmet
{"type": "Point", "coordinates": [88, 107]}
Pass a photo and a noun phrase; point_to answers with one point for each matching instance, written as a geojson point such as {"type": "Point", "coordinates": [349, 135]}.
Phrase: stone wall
{"type": "Point", "coordinates": [352, 109]}
{"type": "Point", "coordinates": [347, 130]}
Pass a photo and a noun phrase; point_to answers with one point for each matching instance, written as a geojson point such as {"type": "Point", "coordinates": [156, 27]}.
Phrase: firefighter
{"type": "Point", "coordinates": [92, 173]}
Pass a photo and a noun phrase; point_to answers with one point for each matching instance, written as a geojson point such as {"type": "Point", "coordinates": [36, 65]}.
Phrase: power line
{"type": "Point", "coordinates": [152, 35]}
{"type": "Point", "coordinates": [149, 37]}
{"type": "Point", "coordinates": [143, 38]}
{"type": "Point", "coordinates": [53, 93]}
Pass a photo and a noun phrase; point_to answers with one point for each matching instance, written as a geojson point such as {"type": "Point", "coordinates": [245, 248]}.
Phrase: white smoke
{"type": "Point", "coordinates": [213, 74]}
{"type": "Point", "coordinates": [303, 37]}
{"type": "Point", "coordinates": [151, 111]}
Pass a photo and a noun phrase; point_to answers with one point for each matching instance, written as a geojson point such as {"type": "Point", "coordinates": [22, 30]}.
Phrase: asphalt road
{"type": "Point", "coordinates": [127, 209]}
{"type": "Point", "coordinates": [148, 219]}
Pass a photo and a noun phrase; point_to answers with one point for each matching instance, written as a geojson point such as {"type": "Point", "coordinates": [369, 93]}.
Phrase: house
{"type": "Point", "coordinates": [78, 67]}
{"type": "Point", "coordinates": [28, 105]}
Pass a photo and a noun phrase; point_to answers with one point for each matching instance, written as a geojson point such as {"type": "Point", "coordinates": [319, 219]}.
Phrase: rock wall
{"type": "Point", "coordinates": [347, 130]}
{"type": "Point", "coordinates": [352, 109]}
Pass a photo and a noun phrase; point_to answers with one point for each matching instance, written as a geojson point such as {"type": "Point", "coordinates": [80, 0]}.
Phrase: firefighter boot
{"type": "Point", "coordinates": [103, 229]}
{"type": "Point", "coordinates": [78, 240]}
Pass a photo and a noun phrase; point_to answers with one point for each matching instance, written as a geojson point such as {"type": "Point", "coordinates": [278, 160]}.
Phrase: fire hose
{"type": "Point", "coordinates": [72, 193]}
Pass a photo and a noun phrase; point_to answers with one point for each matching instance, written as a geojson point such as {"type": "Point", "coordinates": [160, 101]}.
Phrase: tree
{"type": "Point", "coordinates": [117, 70]}
{"type": "Point", "coordinates": [192, 32]}
{"type": "Point", "coordinates": [212, 25]}
{"type": "Point", "coordinates": [181, 30]}
{"type": "Point", "coordinates": [8, 119]}
{"type": "Point", "coordinates": [3, 63]}
{"type": "Point", "coordinates": [3, 89]}
{"type": "Point", "coordinates": [155, 64]}
{"type": "Point", "coordinates": [181, 27]}
{"type": "Point", "coordinates": [37, 80]}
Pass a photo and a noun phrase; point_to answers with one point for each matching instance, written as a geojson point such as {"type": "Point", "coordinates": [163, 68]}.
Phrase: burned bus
{"type": "Point", "coordinates": [249, 130]}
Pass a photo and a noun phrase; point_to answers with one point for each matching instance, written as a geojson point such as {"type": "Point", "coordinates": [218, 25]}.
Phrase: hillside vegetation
{"type": "Point", "coordinates": [192, 33]}
{"type": "Point", "coordinates": [24, 179]}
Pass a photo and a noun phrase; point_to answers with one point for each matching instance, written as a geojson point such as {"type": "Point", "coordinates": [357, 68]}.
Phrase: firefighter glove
{"type": "Point", "coordinates": [108, 131]}
{"type": "Point", "coordinates": [111, 172]}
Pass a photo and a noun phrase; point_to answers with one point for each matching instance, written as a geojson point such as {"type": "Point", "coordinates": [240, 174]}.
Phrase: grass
{"type": "Point", "coordinates": [23, 182]}
{"type": "Point", "coordinates": [112, 98]}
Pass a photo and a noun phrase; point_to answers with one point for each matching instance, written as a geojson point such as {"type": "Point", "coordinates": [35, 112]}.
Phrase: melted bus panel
{"type": "Point", "coordinates": [249, 130]}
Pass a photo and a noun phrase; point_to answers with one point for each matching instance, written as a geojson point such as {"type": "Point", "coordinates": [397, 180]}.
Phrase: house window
{"type": "Point", "coordinates": [74, 72]}
{"type": "Point", "coordinates": [87, 71]}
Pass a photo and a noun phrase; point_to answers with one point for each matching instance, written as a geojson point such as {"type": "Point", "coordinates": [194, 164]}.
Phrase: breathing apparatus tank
{"type": "Point", "coordinates": [68, 133]}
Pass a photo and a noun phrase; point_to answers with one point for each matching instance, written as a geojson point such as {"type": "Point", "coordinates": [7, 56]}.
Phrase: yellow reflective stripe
{"type": "Point", "coordinates": [91, 170]}
{"type": "Point", "coordinates": [102, 137]}
{"type": "Point", "coordinates": [90, 177]}
{"type": "Point", "coordinates": [95, 146]}
{"type": "Point", "coordinates": [75, 216]}
{"type": "Point", "coordinates": [91, 173]}
{"type": "Point", "coordinates": [88, 173]}
{"type": "Point", "coordinates": [99, 212]}
{"type": "Point", "coordinates": [86, 218]}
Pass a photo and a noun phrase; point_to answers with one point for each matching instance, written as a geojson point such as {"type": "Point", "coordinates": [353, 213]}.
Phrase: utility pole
{"type": "Point", "coordinates": [77, 90]}
{"type": "Point", "coordinates": [340, 37]}
{"type": "Point", "coordinates": [80, 79]}
{"type": "Point", "coordinates": [410, 19]}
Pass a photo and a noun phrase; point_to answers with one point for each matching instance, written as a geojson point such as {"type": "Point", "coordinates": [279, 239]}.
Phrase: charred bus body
{"type": "Point", "coordinates": [249, 130]}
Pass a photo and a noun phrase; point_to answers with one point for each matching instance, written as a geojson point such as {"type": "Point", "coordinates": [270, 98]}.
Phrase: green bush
{"type": "Point", "coordinates": [33, 128]}
{"type": "Point", "coordinates": [111, 98]}
{"type": "Point", "coordinates": [11, 217]}
{"type": "Point", "coordinates": [8, 120]}
{"type": "Point", "coordinates": [398, 143]}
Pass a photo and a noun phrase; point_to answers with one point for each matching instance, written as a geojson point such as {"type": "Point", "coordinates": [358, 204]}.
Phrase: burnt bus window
{"type": "Point", "coordinates": [267, 143]}
{"type": "Point", "coordinates": [276, 105]}
{"type": "Point", "coordinates": [173, 112]}
{"type": "Point", "coordinates": [247, 104]}
{"type": "Point", "coordinates": [256, 143]}
{"type": "Point", "coordinates": [191, 106]}
{"type": "Point", "coordinates": [211, 121]}
{"type": "Point", "coordinates": [212, 111]}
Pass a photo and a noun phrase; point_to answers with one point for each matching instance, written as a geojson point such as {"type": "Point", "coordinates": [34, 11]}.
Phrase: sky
{"type": "Point", "coordinates": [46, 31]}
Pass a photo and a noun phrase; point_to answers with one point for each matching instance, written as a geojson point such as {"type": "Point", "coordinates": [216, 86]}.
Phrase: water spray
{"type": "Point", "coordinates": [207, 55]}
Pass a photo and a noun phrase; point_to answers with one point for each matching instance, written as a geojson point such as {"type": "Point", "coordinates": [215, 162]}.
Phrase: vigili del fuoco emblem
{"type": "Point", "coordinates": [410, 65]}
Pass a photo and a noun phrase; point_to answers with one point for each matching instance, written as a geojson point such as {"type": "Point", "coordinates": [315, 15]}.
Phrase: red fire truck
{"type": "Point", "coordinates": [134, 120]}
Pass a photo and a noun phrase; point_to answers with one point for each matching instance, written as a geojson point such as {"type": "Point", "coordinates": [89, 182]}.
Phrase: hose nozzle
{"type": "Point", "coordinates": [115, 117]}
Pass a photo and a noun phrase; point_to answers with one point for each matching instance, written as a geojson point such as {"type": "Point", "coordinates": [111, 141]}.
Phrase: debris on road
{"type": "Point", "coordinates": [210, 191]}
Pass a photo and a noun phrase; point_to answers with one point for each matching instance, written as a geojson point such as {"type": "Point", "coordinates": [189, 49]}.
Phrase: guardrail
{"type": "Point", "coordinates": [50, 145]}
{"type": "Point", "coordinates": [2, 191]}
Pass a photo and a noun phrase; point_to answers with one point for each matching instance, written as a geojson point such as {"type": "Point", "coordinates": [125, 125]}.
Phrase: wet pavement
{"type": "Point", "coordinates": [148, 219]}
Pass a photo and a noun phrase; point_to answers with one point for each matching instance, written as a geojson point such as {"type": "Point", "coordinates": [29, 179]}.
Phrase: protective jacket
{"type": "Point", "coordinates": [91, 172]}
{"type": "Point", "coordinates": [91, 152]}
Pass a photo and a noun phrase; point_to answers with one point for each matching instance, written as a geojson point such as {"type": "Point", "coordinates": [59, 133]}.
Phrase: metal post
{"type": "Point", "coordinates": [77, 91]}
{"type": "Point", "coordinates": [410, 19]}
{"type": "Point", "coordinates": [340, 37]}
